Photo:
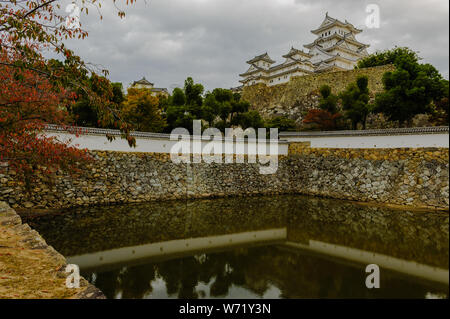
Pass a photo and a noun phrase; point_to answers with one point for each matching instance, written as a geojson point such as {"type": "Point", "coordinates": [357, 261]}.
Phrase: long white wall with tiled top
{"type": "Point", "coordinates": [402, 138]}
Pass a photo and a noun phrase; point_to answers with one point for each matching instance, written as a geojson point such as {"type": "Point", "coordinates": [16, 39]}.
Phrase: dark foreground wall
{"type": "Point", "coordinates": [31, 269]}
{"type": "Point", "coordinates": [414, 177]}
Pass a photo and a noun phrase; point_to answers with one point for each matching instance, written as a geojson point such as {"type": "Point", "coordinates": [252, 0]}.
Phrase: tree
{"type": "Point", "coordinates": [219, 108]}
{"type": "Point", "coordinates": [211, 109]}
{"type": "Point", "coordinates": [30, 27]}
{"type": "Point", "coordinates": [394, 56]}
{"type": "Point", "coordinates": [223, 95]}
{"type": "Point", "coordinates": [439, 115]}
{"type": "Point", "coordinates": [410, 90]}
{"type": "Point", "coordinates": [178, 97]}
{"type": "Point", "coordinates": [283, 123]}
{"type": "Point", "coordinates": [321, 119]}
{"type": "Point", "coordinates": [325, 117]}
{"type": "Point", "coordinates": [251, 119]}
{"type": "Point", "coordinates": [355, 102]}
{"type": "Point", "coordinates": [27, 102]}
{"type": "Point", "coordinates": [231, 110]}
{"type": "Point", "coordinates": [117, 93]}
{"type": "Point", "coordinates": [194, 100]}
{"type": "Point", "coordinates": [178, 116]}
{"type": "Point", "coordinates": [177, 111]}
{"type": "Point", "coordinates": [141, 109]}
{"type": "Point", "coordinates": [328, 101]}
{"type": "Point", "coordinates": [238, 107]}
{"type": "Point", "coordinates": [36, 91]}
{"type": "Point", "coordinates": [85, 112]}
{"type": "Point", "coordinates": [193, 92]}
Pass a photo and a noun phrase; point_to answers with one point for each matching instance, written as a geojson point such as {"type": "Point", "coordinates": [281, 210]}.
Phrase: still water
{"type": "Point", "coordinates": [259, 247]}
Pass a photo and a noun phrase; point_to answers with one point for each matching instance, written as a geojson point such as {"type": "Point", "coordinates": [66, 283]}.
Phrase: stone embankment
{"type": "Point", "coordinates": [300, 94]}
{"type": "Point", "coordinates": [409, 177]}
{"type": "Point", "coordinates": [29, 268]}
{"type": "Point", "coordinates": [413, 177]}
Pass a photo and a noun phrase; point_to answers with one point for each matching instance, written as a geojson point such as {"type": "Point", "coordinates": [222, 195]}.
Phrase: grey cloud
{"type": "Point", "coordinates": [210, 40]}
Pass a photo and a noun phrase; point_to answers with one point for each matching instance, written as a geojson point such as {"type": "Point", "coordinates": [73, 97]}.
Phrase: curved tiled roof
{"type": "Point", "coordinates": [51, 128]}
{"type": "Point", "coordinates": [341, 38]}
{"type": "Point", "coordinates": [143, 81]}
{"type": "Point", "coordinates": [258, 69]}
{"type": "Point", "coordinates": [333, 22]}
{"type": "Point", "coordinates": [392, 131]}
{"type": "Point", "coordinates": [295, 51]}
{"type": "Point", "coordinates": [160, 90]}
{"type": "Point", "coordinates": [264, 57]}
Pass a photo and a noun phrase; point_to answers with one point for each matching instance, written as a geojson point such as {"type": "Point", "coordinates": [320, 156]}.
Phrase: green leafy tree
{"type": "Point", "coordinates": [325, 117]}
{"type": "Point", "coordinates": [220, 108]}
{"type": "Point", "coordinates": [439, 115]}
{"type": "Point", "coordinates": [178, 97]}
{"type": "Point", "coordinates": [211, 109]}
{"type": "Point", "coordinates": [184, 106]}
{"type": "Point", "coordinates": [85, 110]}
{"type": "Point", "coordinates": [193, 92]}
{"type": "Point", "coordinates": [395, 56]}
{"type": "Point", "coordinates": [223, 95]}
{"type": "Point", "coordinates": [223, 104]}
{"type": "Point", "coordinates": [232, 111]}
{"type": "Point", "coordinates": [117, 91]}
{"type": "Point", "coordinates": [225, 109]}
{"type": "Point", "coordinates": [283, 123]}
{"type": "Point", "coordinates": [177, 116]}
{"type": "Point", "coordinates": [238, 107]}
{"type": "Point", "coordinates": [251, 119]}
{"type": "Point", "coordinates": [328, 101]}
{"type": "Point", "coordinates": [355, 102]}
{"type": "Point", "coordinates": [223, 100]}
{"type": "Point", "coordinates": [410, 90]}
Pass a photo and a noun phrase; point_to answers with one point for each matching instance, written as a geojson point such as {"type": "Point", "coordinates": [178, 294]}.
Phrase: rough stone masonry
{"type": "Point", "coordinates": [300, 94]}
{"type": "Point", "coordinates": [412, 177]}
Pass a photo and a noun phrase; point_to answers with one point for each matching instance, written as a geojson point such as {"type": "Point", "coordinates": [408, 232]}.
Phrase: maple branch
{"type": "Point", "coordinates": [38, 7]}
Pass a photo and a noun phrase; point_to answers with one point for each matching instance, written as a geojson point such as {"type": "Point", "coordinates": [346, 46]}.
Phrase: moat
{"type": "Point", "coordinates": [257, 247]}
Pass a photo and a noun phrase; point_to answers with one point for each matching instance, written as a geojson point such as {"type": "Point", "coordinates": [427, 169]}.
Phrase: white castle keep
{"type": "Point", "coordinates": [335, 48]}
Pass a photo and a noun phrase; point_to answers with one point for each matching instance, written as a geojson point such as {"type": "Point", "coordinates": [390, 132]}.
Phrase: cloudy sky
{"type": "Point", "coordinates": [210, 40]}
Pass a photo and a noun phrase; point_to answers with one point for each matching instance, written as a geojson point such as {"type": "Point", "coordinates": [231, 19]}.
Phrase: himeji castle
{"type": "Point", "coordinates": [335, 48]}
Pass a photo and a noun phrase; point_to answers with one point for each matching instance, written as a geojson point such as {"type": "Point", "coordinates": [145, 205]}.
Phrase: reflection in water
{"type": "Point", "coordinates": [176, 248]}
{"type": "Point", "coordinates": [262, 247]}
{"type": "Point", "coordinates": [251, 273]}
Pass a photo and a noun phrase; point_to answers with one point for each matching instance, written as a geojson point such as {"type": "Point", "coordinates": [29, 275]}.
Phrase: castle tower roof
{"type": "Point", "coordinates": [142, 81]}
{"type": "Point", "coordinates": [295, 51]}
{"type": "Point", "coordinates": [263, 57]}
{"type": "Point", "coordinates": [330, 22]}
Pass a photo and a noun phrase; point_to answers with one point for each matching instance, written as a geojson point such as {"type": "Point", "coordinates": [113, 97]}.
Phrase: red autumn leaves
{"type": "Point", "coordinates": [27, 102]}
